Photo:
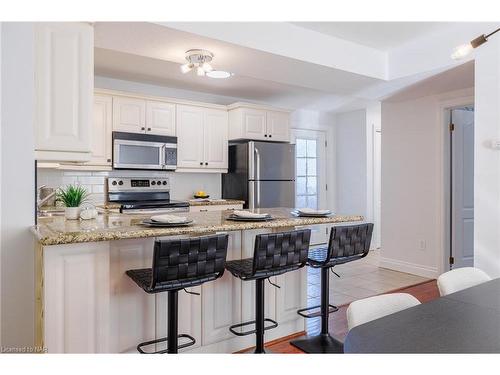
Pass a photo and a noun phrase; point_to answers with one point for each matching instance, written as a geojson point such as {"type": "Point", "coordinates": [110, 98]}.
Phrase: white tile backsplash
{"type": "Point", "coordinates": [182, 185]}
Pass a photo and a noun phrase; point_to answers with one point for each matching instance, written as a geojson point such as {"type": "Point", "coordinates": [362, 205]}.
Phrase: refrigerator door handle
{"type": "Point", "coordinates": [257, 178]}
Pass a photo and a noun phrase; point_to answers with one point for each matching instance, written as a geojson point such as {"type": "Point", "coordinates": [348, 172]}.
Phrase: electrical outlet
{"type": "Point", "coordinates": [422, 245]}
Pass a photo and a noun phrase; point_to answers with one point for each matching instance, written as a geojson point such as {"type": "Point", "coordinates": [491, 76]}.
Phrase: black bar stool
{"type": "Point", "coordinates": [274, 254]}
{"type": "Point", "coordinates": [179, 264]}
{"type": "Point", "coordinates": [347, 244]}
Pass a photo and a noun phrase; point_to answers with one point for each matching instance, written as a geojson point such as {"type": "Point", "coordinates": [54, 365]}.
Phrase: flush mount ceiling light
{"type": "Point", "coordinates": [465, 49]}
{"type": "Point", "coordinates": [198, 59]}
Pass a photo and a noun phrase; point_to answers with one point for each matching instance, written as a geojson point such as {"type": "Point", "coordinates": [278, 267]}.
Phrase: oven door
{"type": "Point", "coordinates": [132, 154]}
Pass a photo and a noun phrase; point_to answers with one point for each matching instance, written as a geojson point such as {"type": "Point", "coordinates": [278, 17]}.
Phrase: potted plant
{"type": "Point", "coordinates": [72, 196]}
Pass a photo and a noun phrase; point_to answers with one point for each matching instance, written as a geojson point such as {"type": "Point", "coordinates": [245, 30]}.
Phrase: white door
{"type": "Point", "coordinates": [462, 177]}
{"type": "Point", "coordinates": [310, 191]}
{"type": "Point", "coordinates": [101, 131]}
{"type": "Point", "coordinates": [129, 115]}
{"type": "Point", "coordinates": [190, 137]}
{"type": "Point", "coordinates": [215, 139]}
{"type": "Point", "coordinates": [377, 196]}
{"type": "Point", "coordinates": [278, 127]}
{"type": "Point", "coordinates": [254, 124]}
{"type": "Point", "coordinates": [160, 118]}
{"type": "Point", "coordinates": [64, 75]}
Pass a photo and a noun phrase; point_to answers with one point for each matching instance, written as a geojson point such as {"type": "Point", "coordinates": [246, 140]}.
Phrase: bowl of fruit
{"type": "Point", "coordinates": [201, 195]}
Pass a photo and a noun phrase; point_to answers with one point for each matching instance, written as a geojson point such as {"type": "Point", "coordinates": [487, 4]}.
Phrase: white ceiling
{"type": "Point", "coordinates": [378, 35]}
{"type": "Point", "coordinates": [152, 53]}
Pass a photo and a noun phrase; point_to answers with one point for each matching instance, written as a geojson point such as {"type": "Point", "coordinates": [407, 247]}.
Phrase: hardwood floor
{"type": "Point", "coordinates": [424, 292]}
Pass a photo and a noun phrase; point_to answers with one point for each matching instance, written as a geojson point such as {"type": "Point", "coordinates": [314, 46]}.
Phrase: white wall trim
{"type": "Point", "coordinates": [443, 182]}
{"type": "Point", "coordinates": [407, 267]}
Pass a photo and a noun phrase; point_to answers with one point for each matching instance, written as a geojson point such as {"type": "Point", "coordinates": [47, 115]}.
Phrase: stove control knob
{"type": "Point", "coordinates": [159, 182]}
{"type": "Point", "coordinates": [120, 183]}
{"type": "Point", "coordinates": [114, 183]}
{"type": "Point", "coordinates": [164, 182]}
{"type": "Point", "coordinates": [153, 183]}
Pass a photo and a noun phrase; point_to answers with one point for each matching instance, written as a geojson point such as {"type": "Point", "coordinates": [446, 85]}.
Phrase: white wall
{"type": "Point", "coordinates": [412, 183]}
{"type": "Point", "coordinates": [487, 160]}
{"type": "Point", "coordinates": [17, 196]}
{"type": "Point", "coordinates": [1, 25]}
{"type": "Point", "coordinates": [351, 163]}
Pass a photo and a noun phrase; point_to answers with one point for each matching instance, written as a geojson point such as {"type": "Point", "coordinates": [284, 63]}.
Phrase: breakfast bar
{"type": "Point", "coordinates": [86, 303]}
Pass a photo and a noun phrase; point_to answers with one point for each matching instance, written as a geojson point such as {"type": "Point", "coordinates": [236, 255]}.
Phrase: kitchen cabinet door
{"type": "Point", "coordinates": [221, 299]}
{"type": "Point", "coordinates": [190, 141]}
{"type": "Point", "coordinates": [160, 118]}
{"type": "Point", "coordinates": [292, 295]}
{"type": "Point", "coordinates": [254, 124]}
{"type": "Point", "coordinates": [278, 126]}
{"type": "Point", "coordinates": [215, 139]}
{"type": "Point", "coordinates": [76, 300]}
{"type": "Point", "coordinates": [101, 131]}
{"type": "Point", "coordinates": [64, 74]}
{"type": "Point", "coordinates": [129, 115]}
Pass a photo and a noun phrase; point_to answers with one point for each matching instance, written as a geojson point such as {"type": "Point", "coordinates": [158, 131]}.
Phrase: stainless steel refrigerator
{"type": "Point", "coordinates": [261, 173]}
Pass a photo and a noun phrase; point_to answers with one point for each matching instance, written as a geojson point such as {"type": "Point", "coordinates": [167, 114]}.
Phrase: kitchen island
{"type": "Point", "coordinates": [86, 303]}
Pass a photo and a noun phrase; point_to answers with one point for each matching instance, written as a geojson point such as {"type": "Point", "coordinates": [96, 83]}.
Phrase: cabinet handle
{"type": "Point", "coordinates": [201, 163]}
{"type": "Point", "coordinates": [270, 135]}
{"type": "Point", "coordinates": [109, 160]}
{"type": "Point", "coordinates": [204, 210]}
{"type": "Point", "coordinates": [149, 129]}
{"type": "Point", "coordinates": [143, 128]}
{"type": "Point", "coordinates": [265, 135]}
{"type": "Point", "coordinates": [206, 163]}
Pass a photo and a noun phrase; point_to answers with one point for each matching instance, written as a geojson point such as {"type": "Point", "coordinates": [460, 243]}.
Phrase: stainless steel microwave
{"type": "Point", "coordinates": [144, 151]}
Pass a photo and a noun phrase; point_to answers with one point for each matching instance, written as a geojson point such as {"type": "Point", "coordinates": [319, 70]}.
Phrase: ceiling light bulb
{"type": "Point", "coordinates": [218, 74]}
{"type": "Point", "coordinates": [185, 68]}
{"type": "Point", "coordinates": [200, 72]}
{"type": "Point", "coordinates": [461, 51]}
{"type": "Point", "coordinates": [207, 67]}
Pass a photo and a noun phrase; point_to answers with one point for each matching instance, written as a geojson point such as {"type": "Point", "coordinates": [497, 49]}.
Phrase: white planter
{"type": "Point", "coordinates": [72, 213]}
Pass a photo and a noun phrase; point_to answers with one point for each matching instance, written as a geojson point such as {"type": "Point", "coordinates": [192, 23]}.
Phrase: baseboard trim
{"type": "Point", "coordinates": [408, 267]}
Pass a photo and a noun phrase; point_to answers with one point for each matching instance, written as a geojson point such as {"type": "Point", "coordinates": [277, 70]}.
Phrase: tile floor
{"type": "Point", "coordinates": [360, 279]}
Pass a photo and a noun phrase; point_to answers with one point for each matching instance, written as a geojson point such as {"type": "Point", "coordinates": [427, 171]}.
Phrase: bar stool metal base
{"type": "Point", "coordinates": [191, 342]}
{"type": "Point", "coordinates": [323, 343]}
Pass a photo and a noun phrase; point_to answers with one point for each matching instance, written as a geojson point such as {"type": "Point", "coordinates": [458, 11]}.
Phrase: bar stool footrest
{"type": "Point", "coordinates": [273, 324]}
{"type": "Point", "coordinates": [302, 313]}
{"type": "Point", "coordinates": [191, 342]}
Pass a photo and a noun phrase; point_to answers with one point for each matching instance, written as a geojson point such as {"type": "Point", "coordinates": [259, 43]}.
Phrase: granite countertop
{"type": "Point", "coordinates": [56, 230]}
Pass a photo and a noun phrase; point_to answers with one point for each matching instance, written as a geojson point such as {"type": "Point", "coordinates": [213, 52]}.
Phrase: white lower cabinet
{"type": "Point", "coordinates": [221, 300]}
{"type": "Point", "coordinates": [76, 298]}
{"type": "Point", "coordinates": [89, 304]}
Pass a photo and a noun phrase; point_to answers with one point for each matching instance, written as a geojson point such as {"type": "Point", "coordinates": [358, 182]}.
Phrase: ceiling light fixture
{"type": "Point", "coordinates": [199, 59]}
{"type": "Point", "coordinates": [220, 74]}
{"type": "Point", "coordinates": [465, 49]}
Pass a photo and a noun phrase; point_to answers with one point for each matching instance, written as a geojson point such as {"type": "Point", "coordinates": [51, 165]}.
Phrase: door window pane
{"type": "Point", "coordinates": [307, 181]}
{"type": "Point", "coordinates": [301, 167]}
{"type": "Point", "coordinates": [300, 147]}
{"type": "Point", "coordinates": [301, 186]}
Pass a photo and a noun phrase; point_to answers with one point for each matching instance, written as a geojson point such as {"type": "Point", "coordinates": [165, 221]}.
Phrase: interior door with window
{"type": "Point", "coordinates": [310, 161]}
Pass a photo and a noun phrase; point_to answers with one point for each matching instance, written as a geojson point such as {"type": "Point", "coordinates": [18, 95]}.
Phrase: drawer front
{"type": "Point", "coordinates": [221, 207]}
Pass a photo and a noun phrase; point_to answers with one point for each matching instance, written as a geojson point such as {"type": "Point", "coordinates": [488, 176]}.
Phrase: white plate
{"type": "Point", "coordinates": [169, 219]}
{"type": "Point", "coordinates": [156, 224]}
{"type": "Point", "coordinates": [249, 215]}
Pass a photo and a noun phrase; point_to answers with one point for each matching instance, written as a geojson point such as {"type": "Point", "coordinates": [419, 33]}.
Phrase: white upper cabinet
{"type": "Point", "coordinates": [101, 131]}
{"type": "Point", "coordinates": [64, 75]}
{"type": "Point", "coordinates": [215, 139]}
{"type": "Point", "coordinates": [160, 118]}
{"type": "Point", "coordinates": [278, 126]}
{"type": "Point", "coordinates": [135, 115]}
{"type": "Point", "coordinates": [202, 140]}
{"type": "Point", "coordinates": [258, 124]}
{"type": "Point", "coordinates": [189, 137]}
{"type": "Point", "coordinates": [129, 115]}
